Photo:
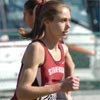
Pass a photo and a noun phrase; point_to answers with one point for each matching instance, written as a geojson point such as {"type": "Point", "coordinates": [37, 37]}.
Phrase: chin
{"type": "Point", "coordinates": [64, 37]}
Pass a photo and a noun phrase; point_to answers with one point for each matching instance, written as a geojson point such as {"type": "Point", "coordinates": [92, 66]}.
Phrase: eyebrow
{"type": "Point", "coordinates": [58, 17]}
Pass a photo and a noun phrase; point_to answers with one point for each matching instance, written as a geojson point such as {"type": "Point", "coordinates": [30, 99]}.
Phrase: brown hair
{"type": "Point", "coordinates": [29, 6]}
{"type": "Point", "coordinates": [48, 10]}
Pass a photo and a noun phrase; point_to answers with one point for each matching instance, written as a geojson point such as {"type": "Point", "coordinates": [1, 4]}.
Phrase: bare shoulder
{"type": "Point", "coordinates": [65, 48]}
{"type": "Point", "coordinates": [34, 54]}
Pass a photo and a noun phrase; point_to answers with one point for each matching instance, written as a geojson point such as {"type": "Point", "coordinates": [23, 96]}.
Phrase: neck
{"type": "Point", "coordinates": [50, 43]}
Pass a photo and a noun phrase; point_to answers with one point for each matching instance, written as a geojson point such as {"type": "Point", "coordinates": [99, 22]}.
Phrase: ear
{"type": "Point", "coordinates": [46, 21]}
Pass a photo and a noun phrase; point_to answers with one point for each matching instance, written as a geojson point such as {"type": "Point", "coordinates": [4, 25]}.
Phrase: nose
{"type": "Point", "coordinates": [68, 24]}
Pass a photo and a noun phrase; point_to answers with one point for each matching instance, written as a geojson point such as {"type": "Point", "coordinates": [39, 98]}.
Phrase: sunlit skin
{"type": "Point", "coordinates": [59, 27]}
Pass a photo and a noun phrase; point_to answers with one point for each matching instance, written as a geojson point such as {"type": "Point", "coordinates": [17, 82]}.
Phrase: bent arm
{"type": "Point", "coordinates": [69, 64]}
{"type": "Point", "coordinates": [31, 61]}
{"type": "Point", "coordinates": [69, 69]}
{"type": "Point", "coordinates": [33, 58]}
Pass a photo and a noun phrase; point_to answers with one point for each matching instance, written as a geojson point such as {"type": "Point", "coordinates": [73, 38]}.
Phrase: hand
{"type": "Point", "coordinates": [68, 96]}
{"type": "Point", "coordinates": [71, 83]}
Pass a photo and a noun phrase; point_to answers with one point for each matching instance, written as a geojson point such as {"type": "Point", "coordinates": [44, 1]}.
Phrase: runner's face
{"type": "Point", "coordinates": [61, 23]}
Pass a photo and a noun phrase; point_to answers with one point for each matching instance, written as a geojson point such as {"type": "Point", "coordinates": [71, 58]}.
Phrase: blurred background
{"type": "Point", "coordinates": [84, 32]}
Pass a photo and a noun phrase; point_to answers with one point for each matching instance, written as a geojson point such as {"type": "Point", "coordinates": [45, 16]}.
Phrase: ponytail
{"type": "Point", "coordinates": [37, 30]}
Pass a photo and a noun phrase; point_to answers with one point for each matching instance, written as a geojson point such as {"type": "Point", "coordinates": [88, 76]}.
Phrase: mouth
{"type": "Point", "coordinates": [65, 33]}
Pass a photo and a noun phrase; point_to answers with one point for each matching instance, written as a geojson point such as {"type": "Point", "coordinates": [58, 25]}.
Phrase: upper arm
{"type": "Point", "coordinates": [31, 61]}
{"type": "Point", "coordinates": [69, 64]}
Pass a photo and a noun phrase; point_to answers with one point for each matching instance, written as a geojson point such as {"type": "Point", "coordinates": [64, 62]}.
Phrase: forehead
{"type": "Point", "coordinates": [65, 12]}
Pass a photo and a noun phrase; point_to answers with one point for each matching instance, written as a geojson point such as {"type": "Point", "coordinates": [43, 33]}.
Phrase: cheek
{"type": "Point", "coordinates": [61, 26]}
{"type": "Point", "coordinates": [58, 28]}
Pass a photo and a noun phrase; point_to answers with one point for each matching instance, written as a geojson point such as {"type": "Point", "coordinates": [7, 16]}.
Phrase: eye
{"type": "Point", "coordinates": [66, 20]}
{"type": "Point", "coordinates": [63, 20]}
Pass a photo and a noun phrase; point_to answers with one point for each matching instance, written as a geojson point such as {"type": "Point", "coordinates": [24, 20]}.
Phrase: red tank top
{"type": "Point", "coordinates": [50, 72]}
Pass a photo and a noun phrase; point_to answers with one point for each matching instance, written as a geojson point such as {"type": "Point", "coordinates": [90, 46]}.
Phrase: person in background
{"type": "Point", "coordinates": [28, 12]}
{"type": "Point", "coordinates": [28, 15]}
